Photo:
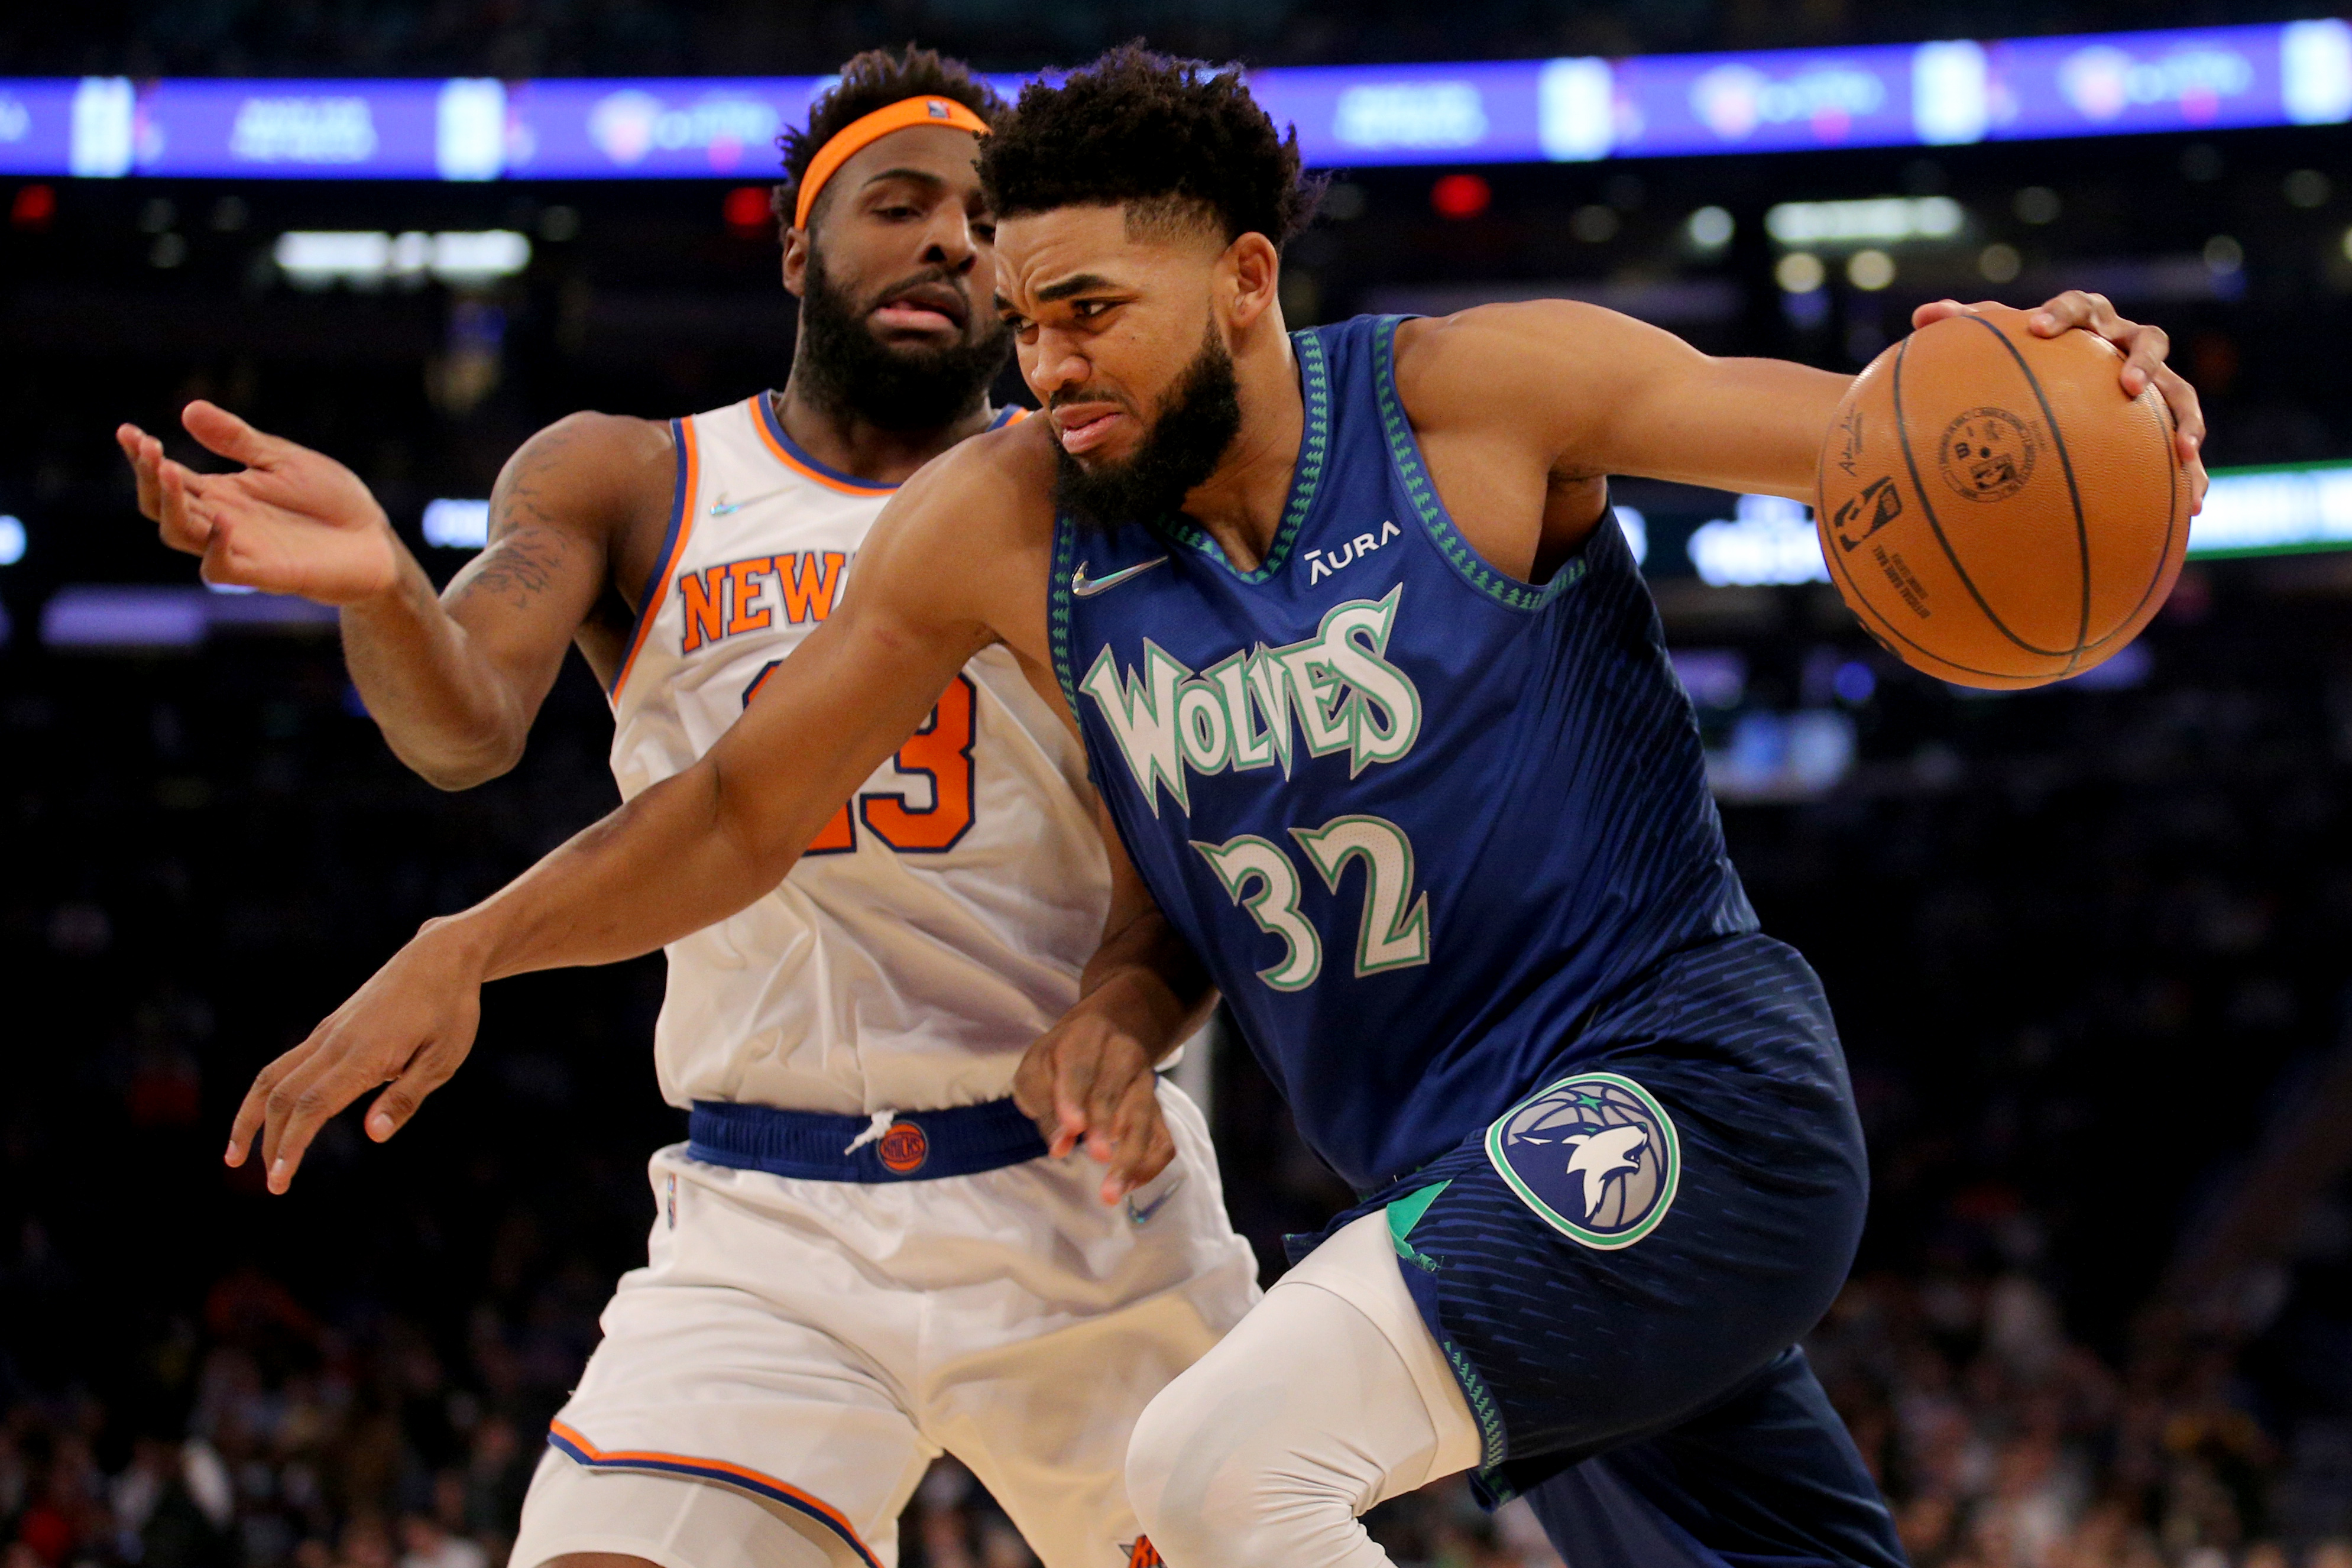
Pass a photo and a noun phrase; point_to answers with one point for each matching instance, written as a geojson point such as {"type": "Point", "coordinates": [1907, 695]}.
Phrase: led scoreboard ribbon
{"type": "Point", "coordinates": [2297, 73]}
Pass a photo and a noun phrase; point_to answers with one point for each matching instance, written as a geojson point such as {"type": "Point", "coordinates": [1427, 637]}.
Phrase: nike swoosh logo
{"type": "Point", "coordinates": [1143, 1216]}
{"type": "Point", "coordinates": [1086, 588]}
{"type": "Point", "coordinates": [722, 506]}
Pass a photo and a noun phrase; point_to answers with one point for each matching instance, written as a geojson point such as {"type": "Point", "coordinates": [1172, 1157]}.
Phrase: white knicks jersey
{"type": "Point", "coordinates": [939, 922]}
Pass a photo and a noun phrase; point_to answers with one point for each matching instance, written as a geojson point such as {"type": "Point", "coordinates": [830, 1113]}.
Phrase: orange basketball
{"type": "Point", "coordinates": [1992, 506]}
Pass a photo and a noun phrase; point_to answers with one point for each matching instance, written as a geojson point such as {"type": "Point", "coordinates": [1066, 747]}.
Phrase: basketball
{"type": "Point", "coordinates": [1993, 507]}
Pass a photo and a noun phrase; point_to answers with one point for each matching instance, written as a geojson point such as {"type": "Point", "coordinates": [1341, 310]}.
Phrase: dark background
{"type": "Point", "coordinates": [2085, 944]}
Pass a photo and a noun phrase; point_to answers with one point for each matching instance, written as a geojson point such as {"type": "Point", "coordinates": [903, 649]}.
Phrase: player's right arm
{"type": "Point", "coordinates": [453, 679]}
{"type": "Point", "coordinates": [956, 556]}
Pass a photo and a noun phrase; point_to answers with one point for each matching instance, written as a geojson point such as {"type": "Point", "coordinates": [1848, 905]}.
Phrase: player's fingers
{"type": "Point", "coordinates": [2074, 308]}
{"type": "Point", "coordinates": [1033, 1086]}
{"type": "Point", "coordinates": [232, 438]}
{"type": "Point", "coordinates": [302, 1102]}
{"type": "Point", "coordinates": [1117, 1062]}
{"type": "Point", "coordinates": [179, 522]}
{"type": "Point", "coordinates": [253, 1108]}
{"type": "Point", "coordinates": [2144, 356]}
{"type": "Point", "coordinates": [1073, 1078]}
{"type": "Point", "coordinates": [135, 443]}
{"type": "Point", "coordinates": [430, 1069]}
{"type": "Point", "coordinates": [2188, 413]}
{"type": "Point", "coordinates": [1938, 310]}
{"type": "Point", "coordinates": [1143, 1148]}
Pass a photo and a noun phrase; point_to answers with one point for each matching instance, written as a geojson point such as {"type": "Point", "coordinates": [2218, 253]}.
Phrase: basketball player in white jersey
{"type": "Point", "coordinates": [864, 1254]}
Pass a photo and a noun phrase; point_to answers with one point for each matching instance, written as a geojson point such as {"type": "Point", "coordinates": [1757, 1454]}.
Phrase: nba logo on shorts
{"type": "Point", "coordinates": [904, 1149]}
{"type": "Point", "coordinates": [1594, 1155]}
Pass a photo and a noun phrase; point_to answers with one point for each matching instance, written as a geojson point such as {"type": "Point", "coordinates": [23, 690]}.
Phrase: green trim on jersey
{"type": "Point", "coordinates": [1314, 447]}
{"type": "Point", "coordinates": [1405, 452]}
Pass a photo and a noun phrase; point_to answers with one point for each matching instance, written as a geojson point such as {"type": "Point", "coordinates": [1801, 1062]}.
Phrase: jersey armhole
{"type": "Point", "coordinates": [673, 546]}
{"type": "Point", "coordinates": [1412, 475]}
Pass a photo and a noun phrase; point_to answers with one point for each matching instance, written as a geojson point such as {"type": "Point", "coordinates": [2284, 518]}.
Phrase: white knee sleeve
{"type": "Point", "coordinates": [1327, 1397]}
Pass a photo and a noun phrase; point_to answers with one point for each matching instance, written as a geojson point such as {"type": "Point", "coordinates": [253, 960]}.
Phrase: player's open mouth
{"type": "Point", "coordinates": [931, 309]}
{"type": "Point", "coordinates": [1083, 431]}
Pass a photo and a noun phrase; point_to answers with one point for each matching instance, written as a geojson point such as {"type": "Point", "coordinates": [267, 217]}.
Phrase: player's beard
{"type": "Point", "coordinates": [844, 368]}
{"type": "Point", "coordinates": [1198, 418]}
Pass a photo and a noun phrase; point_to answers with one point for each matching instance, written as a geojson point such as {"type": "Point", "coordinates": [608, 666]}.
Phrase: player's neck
{"type": "Point", "coordinates": [850, 444]}
{"type": "Point", "coordinates": [1241, 504]}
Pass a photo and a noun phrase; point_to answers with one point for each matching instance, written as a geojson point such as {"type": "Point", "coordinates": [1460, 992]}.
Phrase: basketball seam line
{"type": "Point", "coordinates": [2166, 429]}
{"type": "Point", "coordinates": [1861, 602]}
{"type": "Point", "coordinates": [1919, 487]}
{"type": "Point", "coordinates": [2073, 490]}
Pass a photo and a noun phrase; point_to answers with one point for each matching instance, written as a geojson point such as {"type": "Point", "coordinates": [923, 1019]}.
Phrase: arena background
{"type": "Point", "coordinates": [2086, 945]}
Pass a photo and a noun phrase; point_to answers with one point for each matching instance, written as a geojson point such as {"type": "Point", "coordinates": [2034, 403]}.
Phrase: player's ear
{"type": "Point", "coordinates": [797, 251]}
{"type": "Point", "coordinates": [1251, 272]}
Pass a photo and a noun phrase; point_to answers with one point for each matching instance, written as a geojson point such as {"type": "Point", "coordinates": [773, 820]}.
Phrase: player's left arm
{"type": "Point", "coordinates": [1092, 1079]}
{"type": "Point", "coordinates": [1600, 394]}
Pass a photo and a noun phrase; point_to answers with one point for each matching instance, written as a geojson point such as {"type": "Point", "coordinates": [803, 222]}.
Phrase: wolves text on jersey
{"type": "Point", "coordinates": [1237, 714]}
{"type": "Point", "coordinates": [722, 600]}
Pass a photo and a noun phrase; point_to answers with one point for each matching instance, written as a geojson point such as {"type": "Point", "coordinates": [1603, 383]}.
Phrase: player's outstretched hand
{"type": "Point", "coordinates": [291, 522]}
{"type": "Point", "coordinates": [2144, 349]}
{"type": "Point", "coordinates": [407, 1029]}
{"type": "Point", "coordinates": [1090, 1081]}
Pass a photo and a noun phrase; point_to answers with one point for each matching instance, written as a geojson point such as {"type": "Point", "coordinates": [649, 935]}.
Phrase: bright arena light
{"type": "Point", "coordinates": [1769, 540]}
{"type": "Point", "coordinates": [1637, 531]}
{"type": "Point", "coordinates": [1711, 228]}
{"type": "Point", "coordinates": [1800, 272]}
{"type": "Point", "coordinates": [458, 524]}
{"type": "Point", "coordinates": [314, 258]}
{"type": "Point", "coordinates": [1879, 220]}
{"type": "Point", "coordinates": [2252, 512]}
{"type": "Point", "coordinates": [12, 540]}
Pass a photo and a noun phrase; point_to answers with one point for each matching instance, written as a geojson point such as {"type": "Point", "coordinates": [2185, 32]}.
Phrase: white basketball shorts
{"type": "Point", "coordinates": [814, 1344]}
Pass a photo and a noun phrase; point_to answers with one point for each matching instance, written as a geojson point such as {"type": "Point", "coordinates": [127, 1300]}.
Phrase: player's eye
{"type": "Point", "coordinates": [1088, 309]}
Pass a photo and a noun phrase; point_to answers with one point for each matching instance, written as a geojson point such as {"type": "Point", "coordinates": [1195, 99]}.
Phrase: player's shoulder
{"type": "Point", "coordinates": [612, 474]}
{"type": "Point", "coordinates": [592, 440]}
{"type": "Point", "coordinates": [1001, 478]}
{"type": "Point", "coordinates": [1515, 331]}
{"type": "Point", "coordinates": [1525, 355]}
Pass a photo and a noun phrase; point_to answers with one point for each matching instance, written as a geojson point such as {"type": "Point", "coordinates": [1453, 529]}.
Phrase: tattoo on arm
{"type": "Point", "coordinates": [526, 543]}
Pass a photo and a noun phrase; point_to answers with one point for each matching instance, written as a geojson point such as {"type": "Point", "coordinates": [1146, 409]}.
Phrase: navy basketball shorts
{"type": "Point", "coordinates": [1618, 1269]}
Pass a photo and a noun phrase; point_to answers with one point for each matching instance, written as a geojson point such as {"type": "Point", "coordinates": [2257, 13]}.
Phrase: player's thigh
{"type": "Point", "coordinates": [1041, 1415]}
{"type": "Point", "coordinates": [715, 1385]}
{"type": "Point", "coordinates": [575, 1517]}
{"type": "Point", "coordinates": [1770, 1474]}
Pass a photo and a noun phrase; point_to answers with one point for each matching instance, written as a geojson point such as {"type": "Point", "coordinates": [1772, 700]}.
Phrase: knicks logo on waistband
{"type": "Point", "coordinates": [904, 1148]}
{"type": "Point", "coordinates": [1595, 1155]}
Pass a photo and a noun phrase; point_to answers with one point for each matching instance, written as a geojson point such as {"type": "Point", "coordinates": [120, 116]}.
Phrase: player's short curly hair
{"type": "Point", "coordinates": [1140, 128]}
{"type": "Point", "coordinates": [875, 79]}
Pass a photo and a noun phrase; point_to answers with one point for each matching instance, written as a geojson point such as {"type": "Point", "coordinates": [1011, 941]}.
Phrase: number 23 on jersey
{"type": "Point", "coordinates": [940, 750]}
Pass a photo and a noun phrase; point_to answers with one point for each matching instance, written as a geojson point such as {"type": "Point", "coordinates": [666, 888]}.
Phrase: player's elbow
{"type": "Point", "coordinates": [451, 764]}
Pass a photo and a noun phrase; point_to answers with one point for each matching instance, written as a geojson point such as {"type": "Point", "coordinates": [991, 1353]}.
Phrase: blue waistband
{"type": "Point", "coordinates": [914, 1146]}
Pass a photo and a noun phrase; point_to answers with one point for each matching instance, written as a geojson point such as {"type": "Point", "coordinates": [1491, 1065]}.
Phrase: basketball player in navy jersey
{"type": "Point", "coordinates": [1380, 708]}
{"type": "Point", "coordinates": [862, 1247]}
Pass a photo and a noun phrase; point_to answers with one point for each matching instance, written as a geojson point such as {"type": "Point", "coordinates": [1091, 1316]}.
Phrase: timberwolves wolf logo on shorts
{"type": "Point", "coordinates": [1594, 1155]}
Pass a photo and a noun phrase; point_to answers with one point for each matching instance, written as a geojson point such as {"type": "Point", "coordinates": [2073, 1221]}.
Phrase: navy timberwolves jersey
{"type": "Point", "coordinates": [1417, 816]}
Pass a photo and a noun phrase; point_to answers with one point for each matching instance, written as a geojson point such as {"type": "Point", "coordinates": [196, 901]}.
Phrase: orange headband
{"type": "Point", "coordinates": [866, 129]}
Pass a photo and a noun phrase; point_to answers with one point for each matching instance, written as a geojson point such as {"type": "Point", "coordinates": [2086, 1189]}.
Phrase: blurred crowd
{"type": "Point", "coordinates": [2079, 942]}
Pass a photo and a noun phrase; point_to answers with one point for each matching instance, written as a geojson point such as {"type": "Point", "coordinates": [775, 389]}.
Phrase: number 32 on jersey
{"type": "Point", "coordinates": [941, 750]}
{"type": "Point", "coordinates": [1260, 878]}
